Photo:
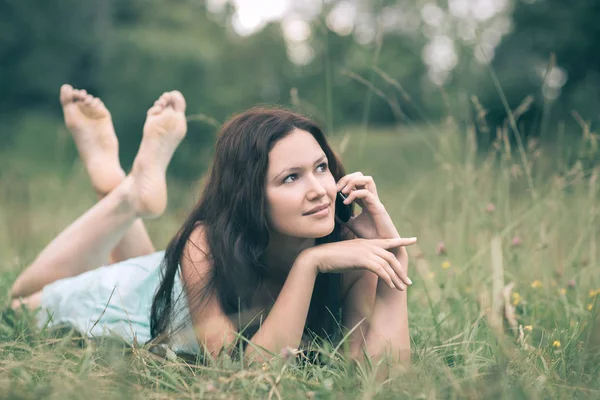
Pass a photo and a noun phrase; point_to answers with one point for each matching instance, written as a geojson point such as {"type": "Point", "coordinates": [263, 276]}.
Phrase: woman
{"type": "Point", "coordinates": [261, 254]}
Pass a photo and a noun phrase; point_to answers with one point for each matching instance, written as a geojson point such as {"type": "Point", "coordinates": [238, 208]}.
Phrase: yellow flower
{"type": "Point", "coordinates": [563, 291]}
{"type": "Point", "coordinates": [468, 289]}
{"type": "Point", "coordinates": [431, 275]}
{"type": "Point", "coordinates": [556, 344]}
{"type": "Point", "coordinates": [590, 306]}
{"type": "Point", "coordinates": [593, 293]}
{"type": "Point", "coordinates": [528, 328]}
{"type": "Point", "coordinates": [446, 264]}
{"type": "Point", "coordinates": [516, 298]}
{"type": "Point", "coordinates": [536, 284]}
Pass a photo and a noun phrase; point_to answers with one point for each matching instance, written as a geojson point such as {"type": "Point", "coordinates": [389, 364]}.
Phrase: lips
{"type": "Point", "coordinates": [317, 209]}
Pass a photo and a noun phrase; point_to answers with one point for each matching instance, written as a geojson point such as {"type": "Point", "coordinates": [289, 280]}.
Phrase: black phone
{"type": "Point", "coordinates": [343, 211]}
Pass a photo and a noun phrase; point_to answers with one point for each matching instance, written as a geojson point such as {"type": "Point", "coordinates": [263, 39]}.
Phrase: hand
{"type": "Point", "coordinates": [374, 220]}
{"type": "Point", "coordinates": [371, 254]}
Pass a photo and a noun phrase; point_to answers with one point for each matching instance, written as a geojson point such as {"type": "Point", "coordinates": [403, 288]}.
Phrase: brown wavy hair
{"type": "Point", "coordinates": [232, 210]}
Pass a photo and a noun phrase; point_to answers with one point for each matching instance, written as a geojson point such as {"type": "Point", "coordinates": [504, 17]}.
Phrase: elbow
{"type": "Point", "coordinates": [380, 347]}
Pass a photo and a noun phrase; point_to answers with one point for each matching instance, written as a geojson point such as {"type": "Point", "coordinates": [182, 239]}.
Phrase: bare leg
{"type": "Point", "coordinates": [91, 125]}
{"type": "Point", "coordinates": [32, 302]}
{"type": "Point", "coordinates": [142, 194]}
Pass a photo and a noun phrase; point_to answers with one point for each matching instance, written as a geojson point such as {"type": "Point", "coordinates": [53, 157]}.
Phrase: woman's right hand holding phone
{"type": "Point", "coordinates": [371, 254]}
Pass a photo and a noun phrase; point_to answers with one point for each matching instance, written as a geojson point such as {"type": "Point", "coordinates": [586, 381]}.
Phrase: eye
{"type": "Point", "coordinates": [324, 165]}
{"type": "Point", "coordinates": [289, 176]}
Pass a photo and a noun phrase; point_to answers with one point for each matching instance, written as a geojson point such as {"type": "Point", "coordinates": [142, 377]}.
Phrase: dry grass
{"type": "Point", "coordinates": [528, 218]}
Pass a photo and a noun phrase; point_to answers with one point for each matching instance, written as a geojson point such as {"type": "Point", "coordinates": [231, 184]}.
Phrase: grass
{"type": "Point", "coordinates": [506, 308]}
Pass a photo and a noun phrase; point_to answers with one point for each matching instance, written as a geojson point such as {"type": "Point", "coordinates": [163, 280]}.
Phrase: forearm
{"type": "Point", "coordinates": [388, 325]}
{"type": "Point", "coordinates": [388, 330]}
{"type": "Point", "coordinates": [285, 323]}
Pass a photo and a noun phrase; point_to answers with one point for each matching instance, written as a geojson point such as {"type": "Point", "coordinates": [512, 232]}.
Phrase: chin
{"type": "Point", "coordinates": [320, 230]}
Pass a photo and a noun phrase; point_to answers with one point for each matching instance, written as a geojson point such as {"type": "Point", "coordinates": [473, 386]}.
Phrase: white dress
{"type": "Point", "coordinates": [116, 300]}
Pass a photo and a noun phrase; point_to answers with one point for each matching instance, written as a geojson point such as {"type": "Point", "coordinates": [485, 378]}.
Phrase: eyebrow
{"type": "Point", "coordinates": [323, 157]}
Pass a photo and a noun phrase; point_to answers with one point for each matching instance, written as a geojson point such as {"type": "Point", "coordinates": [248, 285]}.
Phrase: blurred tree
{"type": "Point", "coordinates": [570, 30]}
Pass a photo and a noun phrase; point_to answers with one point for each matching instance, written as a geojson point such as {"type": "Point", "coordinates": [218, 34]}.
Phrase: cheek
{"type": "Point", "coordinates": [329, 185]}
{"type": "Point", "coordinates": [284, 203]}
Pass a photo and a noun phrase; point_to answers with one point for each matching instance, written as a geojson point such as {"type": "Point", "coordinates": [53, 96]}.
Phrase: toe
{"type": "Point", "coordinates": [178, 101]}
{"type": "Point", "coordinates": [66, 94]}
{"type": "Point", "coordinates": [77, 95]}
{"type": "Point", "coordinates": [154, 110]}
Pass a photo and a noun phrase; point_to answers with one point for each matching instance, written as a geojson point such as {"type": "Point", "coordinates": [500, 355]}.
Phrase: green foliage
{"type": "Point", "coordinates": [541, 30]}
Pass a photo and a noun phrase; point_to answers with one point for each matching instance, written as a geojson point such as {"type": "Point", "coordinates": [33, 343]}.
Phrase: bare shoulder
{"type": "Point", "coordinates": [195, 261]}
{"type": "Point", "coordinates": [213, 328]}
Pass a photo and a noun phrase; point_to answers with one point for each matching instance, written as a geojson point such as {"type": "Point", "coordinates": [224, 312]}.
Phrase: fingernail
{"type": "Point", "coordinates": [402, 287]}
{"type": "Point", "coordinates": [392, 285]}
{"type": "Point", "coordinates": [409, 281]}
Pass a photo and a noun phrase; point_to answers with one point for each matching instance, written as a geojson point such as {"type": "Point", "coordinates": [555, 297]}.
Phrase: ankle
{"type": "Point", "coordinates": [125, 192]}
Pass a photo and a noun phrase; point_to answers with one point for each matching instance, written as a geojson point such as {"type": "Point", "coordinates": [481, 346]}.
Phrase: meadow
{"type": "Point", "coordinates": [506, 271]}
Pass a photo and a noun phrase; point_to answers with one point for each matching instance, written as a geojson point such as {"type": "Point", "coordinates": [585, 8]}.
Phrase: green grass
{"type": "Point", "coordinates": [436, 187]}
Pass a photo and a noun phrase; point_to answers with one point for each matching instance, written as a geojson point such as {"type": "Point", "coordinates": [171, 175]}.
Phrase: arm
{"type": "Point", "coordinates": [282, 328]}
{"type": "Point", "coordinates": [389, 326]}
{"type": "Point", "coordinates": [358, 308]}
{"type": "Point", "coordinates": [284, 325]}
{"type": "Point", "coordinates": [389, 322]}
{"type": "Point", "coordinates": [384, 333]}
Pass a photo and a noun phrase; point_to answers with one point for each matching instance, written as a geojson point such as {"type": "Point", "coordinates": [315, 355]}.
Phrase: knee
{"type": "Point", "coordinates": [18, 290]}
{"type": "Point", "coordinates": [30, 302]}
{"type": "Point", "coordinates": [15, 291]}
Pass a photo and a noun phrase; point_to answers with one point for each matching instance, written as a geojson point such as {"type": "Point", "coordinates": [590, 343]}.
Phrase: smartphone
{"type": "Point", "coordinates": [343, 211]}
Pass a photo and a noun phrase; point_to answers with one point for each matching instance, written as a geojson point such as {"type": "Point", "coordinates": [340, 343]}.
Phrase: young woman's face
{"type": "Point", "coordinates": [298, 180]}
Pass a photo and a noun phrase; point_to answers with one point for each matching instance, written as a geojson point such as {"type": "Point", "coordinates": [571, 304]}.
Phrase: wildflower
{"type": "Point", "coordinates": [536, 284]}
{"type": "Point", "coordinates": [491, 207]}
{"type": "Point", "coordinates": [528, 328]}
{"type": "Point", "coordinates": [440, 250]}
{"type": "Point", "coordinates": [516, 241]}
{"type": "Point", "coordinates": [516, 298]}
{"type": "Point", "coordinates": [288, 353]}
{"type": "Point", "coordinates": [556, 344]}
{"type": "Point", "coordinates": [563, 291]}
{"type": "Point", "coordinates": [446, 264]}
{"type": "Point", "coordinates": [265, 366]}
{"type": "Point", "coordinates": [593, 293]}
{"type": "Point", "coordinates": [431, 275]}
{"type": "Point", "coordinates": [590, 307]}
{"type": "Point", "coordinates": [210, 387]}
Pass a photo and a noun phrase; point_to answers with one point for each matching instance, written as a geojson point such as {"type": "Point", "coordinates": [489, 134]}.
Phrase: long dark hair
{"type": "Point", "coordinates": [232, 210]}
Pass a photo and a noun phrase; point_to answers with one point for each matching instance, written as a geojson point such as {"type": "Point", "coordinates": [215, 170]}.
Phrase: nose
{"type": "Point", "coordinates": [316, 189]}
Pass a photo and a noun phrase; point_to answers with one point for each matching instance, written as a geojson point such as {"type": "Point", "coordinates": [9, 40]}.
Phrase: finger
{"type": "Point", "coordinates": [360, 181]}
{"type": "Point", "coordinates": [344, 180]}
{"type": "Point", "coordinates": [386, 264]}
{"type": "Point", "coordinates": [378, 270]}
{"type": "Point", "coordinates": [398, 269]}
{"type": "Point", "coordinates": [360, 194]}
{"type": "Point", "coordinates": [394, 242]}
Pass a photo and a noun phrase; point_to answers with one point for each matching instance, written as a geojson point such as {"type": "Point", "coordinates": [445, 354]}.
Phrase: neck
{"type": "Point", "coordinates": [281, 254]}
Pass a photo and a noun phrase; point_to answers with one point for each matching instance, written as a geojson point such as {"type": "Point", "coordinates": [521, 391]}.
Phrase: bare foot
{"type": "Point", "coordinates": [91, 126]}
{"type": "Point", "coordinates": [164, 129]}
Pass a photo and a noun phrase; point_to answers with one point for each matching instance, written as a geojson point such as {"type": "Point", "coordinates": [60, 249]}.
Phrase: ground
{"type": "Point", "coordinates": [484, 221]}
